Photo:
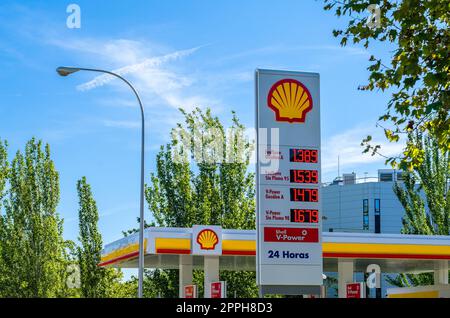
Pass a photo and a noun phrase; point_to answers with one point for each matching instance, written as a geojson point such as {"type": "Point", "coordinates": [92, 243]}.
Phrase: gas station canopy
{"type": "Point", "coordinates": [394, 253]}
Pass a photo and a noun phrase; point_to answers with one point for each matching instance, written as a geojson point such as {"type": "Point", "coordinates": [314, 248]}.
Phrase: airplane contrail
{"type": "Point", "coordinates": [150, 62]}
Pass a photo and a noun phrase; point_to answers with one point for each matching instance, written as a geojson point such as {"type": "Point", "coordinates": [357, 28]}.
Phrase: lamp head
{"type": "Point", "coordinates": [64, 71]}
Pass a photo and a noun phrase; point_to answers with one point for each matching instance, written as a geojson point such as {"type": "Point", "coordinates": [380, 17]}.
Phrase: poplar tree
{"type": "Point", "coordinates": [424, 192]}
{"type": "Point", "coordinates": [3, 178]}
{"type": "Point", "coordinates": [96, 282]}
{"type": "Point", "coordinates": [33, 252]}
{"type": "Point", "coordinates": [91, 276]}
{"type": "Point", "coordinates": [424, 195]}
{"type": "Point", "coordinates": [214, 188]}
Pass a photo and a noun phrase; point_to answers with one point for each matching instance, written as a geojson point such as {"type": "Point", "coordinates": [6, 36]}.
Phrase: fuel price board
{"type": "Point", "coordinates": [289, 249]}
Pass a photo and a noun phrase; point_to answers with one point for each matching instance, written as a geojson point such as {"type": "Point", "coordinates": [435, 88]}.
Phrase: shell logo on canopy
{"type": "Point", "coordinates": [207, 239]}
{"type": "Point", "coordinates": [290, 100]}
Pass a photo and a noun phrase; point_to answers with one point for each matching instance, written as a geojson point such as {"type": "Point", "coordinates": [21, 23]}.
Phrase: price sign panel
{"type": "Point", "coordinates": [355, 290]}
{"type": "Point", "coordinates": [289, 249]}
{"type": "Point", "coordinates": [218, 289]}
{"type": "Point", "coordinates": [190, 291]}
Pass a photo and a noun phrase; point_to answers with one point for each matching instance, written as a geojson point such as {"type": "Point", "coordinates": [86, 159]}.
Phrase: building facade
{"type": "Point", "coordinates": [367, 205]}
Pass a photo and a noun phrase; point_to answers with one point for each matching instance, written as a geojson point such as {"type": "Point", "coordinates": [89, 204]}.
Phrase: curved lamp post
{"type": "Point", "coordinates": [65, 71]}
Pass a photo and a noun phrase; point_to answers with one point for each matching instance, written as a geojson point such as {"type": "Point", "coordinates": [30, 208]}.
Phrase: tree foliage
{"type": "Point", "coordinates": [418, 72]}
{"type": "Point", "coordinates": [424, 192]}
{"type": "Point", "coordinates": [424, 195]}
{"type": "Point", "coordinates": [96, 282]}
{"type": "Point", "coordinates": [3, 179]}
{"type": "Point", "coordinates": [35, 260]}
{"type": "Point", "coordinates": [91, 276]}
{"type": "Point", "coordinates": [3, 169]}
{"type": "Point", "coordinates": [216, 188]}
{"type": "Point", "coordinates": [33, 256]}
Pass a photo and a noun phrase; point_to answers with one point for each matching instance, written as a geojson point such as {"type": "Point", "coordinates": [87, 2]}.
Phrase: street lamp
{"type": "Point", "coordinates": [65, 71]}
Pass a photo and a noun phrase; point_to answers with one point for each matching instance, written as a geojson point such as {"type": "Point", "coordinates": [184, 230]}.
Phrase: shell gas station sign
{"type": "Point", "coordinates": [289, 249]}
{"type": "Point", "coordinates": [207, 240]}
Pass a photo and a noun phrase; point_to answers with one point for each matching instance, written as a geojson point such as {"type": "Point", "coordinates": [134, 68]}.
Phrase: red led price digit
{"type": "Point", "coordinates": [304, 216]}
{"type": "Point", "coordinates": [308, 176]}
{"type": "Point", "coordinates": [300, 217]}
{"type": "Point", "coordinates": [304, 176]}
{"type": "Point", "coordinates": [303, 155]}
{"type": "Point", "coordinates": [314, 156]}
{"type": "Point", "coordinates": [314, 216]}
{"type": "Point", "coordinates": [315, 176]}
{"type": "Point", "coordinates": [314, 195]}
{"type": "Point", "coordinates": [307, 155]}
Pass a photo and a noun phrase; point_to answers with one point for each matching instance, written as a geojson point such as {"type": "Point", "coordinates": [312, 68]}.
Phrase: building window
{"type": "Point", "coordinates": [366, 214]}
{"type": "Point", "coordinates": [385, 177]}
{"type": "Point", "coordinates": [366, 222]}
{"type": "Point", "coordinates": [377, 216]}
{"type": "Point", "coordinates": [377, 206]}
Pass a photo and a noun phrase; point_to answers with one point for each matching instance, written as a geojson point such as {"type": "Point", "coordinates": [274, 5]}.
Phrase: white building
{"type": "Point", "coordinates": [363, 205]}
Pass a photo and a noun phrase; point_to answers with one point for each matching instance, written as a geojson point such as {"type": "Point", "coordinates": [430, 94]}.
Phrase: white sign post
{"type": "Point", "coordinates": [289, 248]}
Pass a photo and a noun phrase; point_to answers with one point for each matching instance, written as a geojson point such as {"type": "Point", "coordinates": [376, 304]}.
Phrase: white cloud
{"type": "Point", "coordinates": [347, 146]}
{"type": "Point", "coordinates": [118, 102]}
{"type": "Point", "coordinates": [159, 82]}
{"type": "Point", "coordinates": [138, 69]}
{"type": "Point", "coordinates": [122, 124]}
{"type": "Point", "coordinates": [244, 76]}
{"type": "Point", "coordinates": [164, 84]}
{"type": "Point", "coordinates": [336, 49]}
{"type": "Point", "coordinates": [120, 51]}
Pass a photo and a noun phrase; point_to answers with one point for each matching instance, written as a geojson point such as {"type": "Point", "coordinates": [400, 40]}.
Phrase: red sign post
{"type": "Point", "coordinates": [355, 290]}
{"type": "Point", "coordinates": [218, 290]}
{"type": "Point", "coordinates": [190, 291]}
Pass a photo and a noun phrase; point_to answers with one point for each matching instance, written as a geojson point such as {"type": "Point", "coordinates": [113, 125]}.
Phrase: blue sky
{"type": "Point", "coordinates": [198, 53]}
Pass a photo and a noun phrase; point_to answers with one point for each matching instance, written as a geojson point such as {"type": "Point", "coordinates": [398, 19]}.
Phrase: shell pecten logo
{"type": "Point", "coordinates": [290, 100]}
{"type": "Point", "coordinates": [207, 239]}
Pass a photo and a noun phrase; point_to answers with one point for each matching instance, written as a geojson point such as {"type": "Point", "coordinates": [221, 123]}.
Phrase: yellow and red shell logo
{"type": "Point", "coordinates": [290, 100]}
{"type": "Point", "coordinates": [207, 239]}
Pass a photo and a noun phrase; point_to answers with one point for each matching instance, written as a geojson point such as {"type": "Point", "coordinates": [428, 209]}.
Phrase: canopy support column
{"type": "Point", "coordinates": [345, 275]}
{"type": "Point", "coordinates": [211, 267]}
{"type": "Point", "coordinates": [185, 267]}
{"type": "Point", "coordinates": [441, 272]}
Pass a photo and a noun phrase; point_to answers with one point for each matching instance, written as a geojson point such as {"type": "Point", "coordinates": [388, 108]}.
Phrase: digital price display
{"type": "Point", "coordinates": [304, 216]}
{"type": "Point", "coordinates": [304, 195]}
{"type": "Point", "coordinates": [304, 176]}
{"type": "Point", "coordinates": [289, 253]}
{"type": "Point", "coordinates": [303, 155]}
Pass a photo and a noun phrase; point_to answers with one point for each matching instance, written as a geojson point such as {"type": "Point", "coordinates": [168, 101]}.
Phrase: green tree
{"type": "Point", "coordinates": [424, 197]}
{"type": "Point", "coordinates": [3, 178]}
{"type": "Point", "coordinates": [216, 188]}
{"type": "Point", "coordinates": [418, 72]}
{"type": "Point", "coordinates": [424, 192]}
{"type": "Point", "coordinates": [3, 169]}
{"type": "Point", "coordinates": [33, 252]}
{"type": "Point", "coordinates": [96, 282]}
{"type": "Point", "coordinates": [116, 287]}
{"type": "Point", "coordinates": [91, 276]}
